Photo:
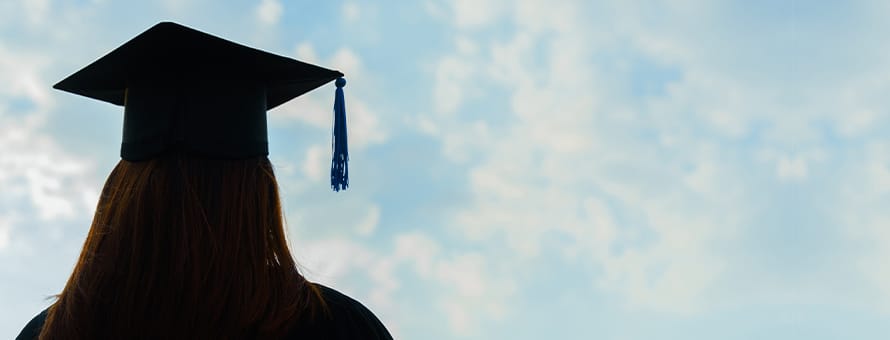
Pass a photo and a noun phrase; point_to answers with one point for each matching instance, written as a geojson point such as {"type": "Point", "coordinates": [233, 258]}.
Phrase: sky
{"type": "Point", "coordinates": [528, 169]}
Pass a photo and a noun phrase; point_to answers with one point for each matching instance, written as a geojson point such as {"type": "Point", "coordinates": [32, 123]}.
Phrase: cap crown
{"type": "Point", "coordinates": [189, 89]}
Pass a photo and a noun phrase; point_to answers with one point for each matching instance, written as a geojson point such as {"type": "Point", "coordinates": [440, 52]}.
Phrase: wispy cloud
{"type": "Point", "coordinates": [269, 12]}
{"type": "Point", "coordinates": [688, 162]}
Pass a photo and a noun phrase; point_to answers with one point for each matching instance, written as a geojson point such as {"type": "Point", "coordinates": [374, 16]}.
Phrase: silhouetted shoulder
{"type": "Point", "coordinates": [346, 319]}
{"type": "Point", "coordinates": [32, 329]}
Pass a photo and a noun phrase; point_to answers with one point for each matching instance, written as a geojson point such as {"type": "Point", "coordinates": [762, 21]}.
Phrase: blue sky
{"type": "Point", "coordinates": [674, 169]}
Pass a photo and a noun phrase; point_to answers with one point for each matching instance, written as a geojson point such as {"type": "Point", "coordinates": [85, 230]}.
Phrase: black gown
{"type": "Point", "coordinates": [349, 320]}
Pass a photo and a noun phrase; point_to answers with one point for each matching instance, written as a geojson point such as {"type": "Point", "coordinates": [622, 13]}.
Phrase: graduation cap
{"type": "Point", "coordinates": [187, 90]}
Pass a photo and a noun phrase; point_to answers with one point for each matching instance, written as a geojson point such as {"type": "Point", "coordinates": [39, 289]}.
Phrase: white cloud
{"type": "Point", "coordinates": [860, 208]}
{"type": "Point", "coordinates": [857, 122]}
{"type": "Point", "coordinates": [306, 52]}
{"type": "Point", "coordinates": [269, 12]}
{"type": "Point", "coordinates": [369, 223]}
{"type": "Point", "coordinates": [451, 77]}
{"type": "Point", "coordinates": [466, 45]}
{"type": "Point", "coordinates": [419, 250]}
{"type": "Point", "coordinates": [5, 230]}
{"type": "Point", "coordinates": [792, 166]}
{"type": "Point", "coordinates": [468, 291]}
{"type": "Point", "coordinates": [332, 261]}
{"type": "Point", "coordinates": [316, 162]}
{"type": "Point", "coordinates": [536, 16]}
{"type": "Point", "coordinates": [641, 190]}
{"type": "Point", "coordinates": [475, 13]}
{"type": "Point", "coordinates": [36, 169]}
{"type": "Point", "coordinates": [565, 160]}
{"type": "Point", "coordinates": [40, 180]}
{"type": "Point", "coordinates": [795, 168]}
{"type": "Point", "coordinates": [316, 108]}
{"type": "Point", "coordinates": [351, 12]}
{"type": "Point", "coordinates": [177, 7]}
{"type": "Point", "coordinates": [475, 293]}
{"type": "Point", "coordinates": [36, 11]}
{"type": "Point", "coordinates": [436, 9]}
{"type": "Point", "coordinates": [20, 70]}
{"type": "Point", "coordinates": [365, 127]}
{"type": "Point", "coordinates": [878, 175]}
{"type": "Point", "coordinates": [348, 62]}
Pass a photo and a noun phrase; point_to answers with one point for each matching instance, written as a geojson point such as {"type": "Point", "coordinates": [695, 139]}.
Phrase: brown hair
{"type": "Point", "coordinates": [182, 247]}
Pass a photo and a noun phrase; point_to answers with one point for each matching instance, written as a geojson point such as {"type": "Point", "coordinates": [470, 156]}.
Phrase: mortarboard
{"type": "Point", "coordinates": [189, 90]}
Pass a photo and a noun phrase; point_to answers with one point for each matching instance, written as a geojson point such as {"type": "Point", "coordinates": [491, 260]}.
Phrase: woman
{"type": "Point", "coordinates": [188, 237]}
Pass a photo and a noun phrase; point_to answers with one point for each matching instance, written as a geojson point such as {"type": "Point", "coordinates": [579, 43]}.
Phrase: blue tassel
{"type": "Point", "coordinates": [339, 163]}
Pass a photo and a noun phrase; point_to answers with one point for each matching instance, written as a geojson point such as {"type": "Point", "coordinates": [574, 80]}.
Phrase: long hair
{"type": "Point", "coordinates": [183, 247]}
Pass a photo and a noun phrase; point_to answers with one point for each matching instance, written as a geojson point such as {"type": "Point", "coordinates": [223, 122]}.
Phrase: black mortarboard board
{"type": "Point", "coordinates": [189, 90]}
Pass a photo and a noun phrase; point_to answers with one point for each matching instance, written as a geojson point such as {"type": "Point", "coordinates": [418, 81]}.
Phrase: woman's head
{"type": "Point", "coordinates": [187, 244]}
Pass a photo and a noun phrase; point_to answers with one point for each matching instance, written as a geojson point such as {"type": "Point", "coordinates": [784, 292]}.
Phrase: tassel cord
{"type": "Point", "coordinates": [340, 160]}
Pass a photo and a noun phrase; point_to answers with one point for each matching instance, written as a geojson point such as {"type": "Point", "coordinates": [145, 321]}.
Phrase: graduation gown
{"type": "Point", "coordinates": [349, 320]}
